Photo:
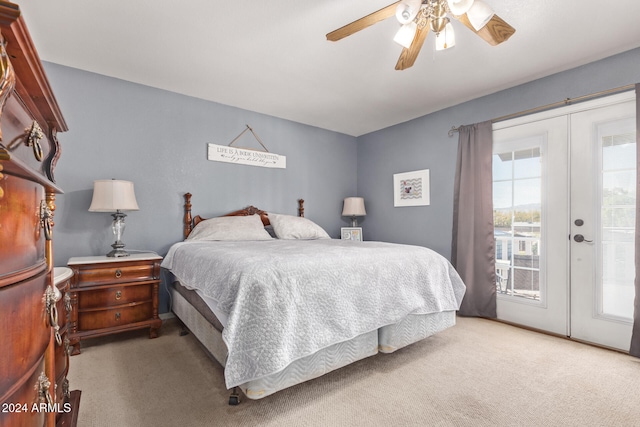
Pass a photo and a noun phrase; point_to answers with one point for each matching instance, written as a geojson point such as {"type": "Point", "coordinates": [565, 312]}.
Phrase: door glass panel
{"type": "Point", "coordinates": [517, 182]}
{"type": "Point", "coordinates": [617, 213]}
{"type": "Point", "coordinates": [527, 163]}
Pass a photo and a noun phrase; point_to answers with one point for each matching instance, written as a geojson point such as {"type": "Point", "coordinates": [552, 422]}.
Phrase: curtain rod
{"type": "Point", "coordinates": [554, 105]}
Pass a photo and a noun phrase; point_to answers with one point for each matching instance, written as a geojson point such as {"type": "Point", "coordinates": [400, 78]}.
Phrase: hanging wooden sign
{"type": "Point", "coordinates": [246, 156]}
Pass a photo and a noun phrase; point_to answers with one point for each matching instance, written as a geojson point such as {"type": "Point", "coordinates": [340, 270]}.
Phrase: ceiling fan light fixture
{"type": "Point", "coordinates": [418, 18]}
{"type": "Point", "coordinates": [407, 10]}
{"type": "Point", "coordinates": [459, 7]}
{"type": "Point", "coordinates": [406, 33]}
{"type": "Point", "coordinates": [446, 38]}
{"type": "Point", "coordinates": [479, 14]}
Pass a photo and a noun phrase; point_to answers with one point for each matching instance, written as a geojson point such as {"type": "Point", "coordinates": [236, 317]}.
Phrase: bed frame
{"type": "Point", "coordinates": [190, 222]}
{"type": "Point", "coordinates": [387, 339]}
{"type": "Point", "coordinates": [209, 336]}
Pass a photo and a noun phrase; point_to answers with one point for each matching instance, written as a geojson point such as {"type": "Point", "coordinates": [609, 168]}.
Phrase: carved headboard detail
{"type": "Point", "coordinates": [190, 222]}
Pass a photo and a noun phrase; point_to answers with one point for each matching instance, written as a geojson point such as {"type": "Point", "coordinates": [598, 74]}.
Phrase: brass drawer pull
{"type": "Point", "coordinates": [46, 219]}
{"type": "Point", "coordinates": [31, 138]}
{"type": "Point", "coordinates": [118, 273]}
{"type": "Point", "coordinates": [65, 390]}
{"type": "Point", "coordinates": [43, 386]}
{"type": "Point", "coordinates": [34, 135]}
{"type": "Point", "coordinates": [118, 295]}
{"type": "Point", "coordinates": [117, 315]}
{"type": "Point", "coordinates": [67, 302]}
{"type": "Point", "coordinates": [51, 296]}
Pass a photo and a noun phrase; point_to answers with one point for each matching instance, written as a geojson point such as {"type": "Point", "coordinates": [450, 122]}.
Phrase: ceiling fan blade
{"type": "Point", "coordinates": [362, 23]}
{"type": "Point", "coordinates": [408, 56]}
{"type": "Point", "coordinates": [495, 32]}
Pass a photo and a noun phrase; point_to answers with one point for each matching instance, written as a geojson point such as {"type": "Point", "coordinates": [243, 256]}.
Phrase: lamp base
{"type": "Point", "coordinates": [118, 229]}
{"type": "Point", "coordinates": [118, 250]}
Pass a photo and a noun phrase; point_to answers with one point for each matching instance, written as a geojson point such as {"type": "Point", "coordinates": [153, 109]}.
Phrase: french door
{"type": "Point", "coordinates": [564, 215]}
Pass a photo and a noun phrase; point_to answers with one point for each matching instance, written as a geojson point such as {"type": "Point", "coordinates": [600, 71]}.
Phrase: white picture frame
{"type": "Point", "coordinates": [411, 188]}
{"type": "Point", "coordinates": [351, 233]}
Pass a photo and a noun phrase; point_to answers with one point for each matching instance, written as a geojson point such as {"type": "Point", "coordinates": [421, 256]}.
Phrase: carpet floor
{"type": "Point", "coordinates": [478, 373]}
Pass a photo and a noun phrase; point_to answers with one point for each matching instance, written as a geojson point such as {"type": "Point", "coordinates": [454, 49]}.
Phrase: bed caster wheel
{"type": "Point", "coordinates": [183, 330]}
{"type": "Point", "coordinates": [234, 397]}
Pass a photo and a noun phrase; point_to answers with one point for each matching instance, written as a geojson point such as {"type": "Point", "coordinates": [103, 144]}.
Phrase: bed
{"type": "Point", "coordinates": [277, 302]}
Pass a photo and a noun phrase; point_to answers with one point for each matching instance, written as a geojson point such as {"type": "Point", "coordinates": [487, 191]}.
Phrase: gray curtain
{"type": "Point", "coordinates": [635, 337]}
{"type": "Point", "coordinates": [473, 244]}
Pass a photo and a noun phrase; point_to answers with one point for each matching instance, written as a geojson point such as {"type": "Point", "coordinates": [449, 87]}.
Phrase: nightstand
{"type": "Point", "coordinates": [110, 295]}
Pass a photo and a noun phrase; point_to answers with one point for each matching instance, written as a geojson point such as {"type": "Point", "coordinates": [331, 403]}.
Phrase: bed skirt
{"type": "Point", "coordinates": [413, 328]}
{"type": "Point", "coordinates": [386, 339]}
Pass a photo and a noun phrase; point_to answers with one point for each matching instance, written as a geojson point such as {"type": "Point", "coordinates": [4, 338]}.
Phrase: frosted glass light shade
{"type": "Point", "coordinates": [406, 33]}
{"type": "Point", "coordinates": [446, 39]}
{"type": "Point", "coordinates": [111, 195]}
{"type": "Point", "coordinates": [459, 7]}
{"type": "Point", "coordinates": [479, 14]}
{"type": "Point", "coordinates": [407, 10]}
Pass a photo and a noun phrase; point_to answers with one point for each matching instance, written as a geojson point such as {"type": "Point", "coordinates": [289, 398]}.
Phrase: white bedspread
{"type": "Point", "coordinates": [286, 299]}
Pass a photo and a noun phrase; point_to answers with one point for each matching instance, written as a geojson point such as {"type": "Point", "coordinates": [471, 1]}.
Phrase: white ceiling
{"type": "Point", "coordinates": [272, 56]}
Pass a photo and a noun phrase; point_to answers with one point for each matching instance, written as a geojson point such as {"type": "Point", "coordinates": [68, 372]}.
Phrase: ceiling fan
{"type": "Point", "coordinates": [419, 16]}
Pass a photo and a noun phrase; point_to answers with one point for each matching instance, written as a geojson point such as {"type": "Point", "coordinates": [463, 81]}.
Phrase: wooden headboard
{"type": "Point", "coordinates": [190, 222]}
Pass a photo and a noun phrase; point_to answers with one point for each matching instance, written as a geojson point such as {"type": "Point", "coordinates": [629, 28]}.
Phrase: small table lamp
{"type": "Point", "coordinates": [111, 195]}
{"type": "Point", "coordinates": [353, 207]}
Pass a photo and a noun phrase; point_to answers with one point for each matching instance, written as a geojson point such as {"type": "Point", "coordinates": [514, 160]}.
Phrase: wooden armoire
{"type": "Point", "coordinates": [34, 349]}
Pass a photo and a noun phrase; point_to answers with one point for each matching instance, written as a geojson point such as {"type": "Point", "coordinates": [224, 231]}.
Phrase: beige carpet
{"type": "Point", "coordinates": [478, 373]}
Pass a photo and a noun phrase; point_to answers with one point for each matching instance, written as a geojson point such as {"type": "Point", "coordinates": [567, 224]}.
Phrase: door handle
{"type": "Point", "coordinates": [580, 238]}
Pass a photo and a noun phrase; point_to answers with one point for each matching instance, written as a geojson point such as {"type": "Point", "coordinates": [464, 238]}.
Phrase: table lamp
{"type": "Point", "coordinates": [112, 195]}
{"type": "Point", "coordinates": [353, 207]}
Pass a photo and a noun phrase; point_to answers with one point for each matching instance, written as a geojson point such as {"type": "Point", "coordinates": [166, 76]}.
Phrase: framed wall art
{"type": "Point", "coordinates": [411, 188]}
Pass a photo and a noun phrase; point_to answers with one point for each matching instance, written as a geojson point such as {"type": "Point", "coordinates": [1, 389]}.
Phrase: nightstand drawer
{"type": "Point", "coordinates": [119, 316]}
{"type": "Point", "coordinates": [117, 295]}
{"type": "Point", "coordinates": [126, 272]}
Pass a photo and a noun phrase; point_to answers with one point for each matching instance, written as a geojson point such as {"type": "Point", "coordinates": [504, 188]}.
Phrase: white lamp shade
{"type": "Point", "coordinates": [459, 7]}
{"type": "Point", "coordinates": [110, 195]}
{"type": "Point", "coordinates": [407, 10]}
{"type": "Point", "coordinates": [353, 206]}
{"type": "Point", "coordinates": [406, 33]}
{"type": "Point", "coordinates": [479, 14]}
{"type": "Point", "coordinates": [446, 39]}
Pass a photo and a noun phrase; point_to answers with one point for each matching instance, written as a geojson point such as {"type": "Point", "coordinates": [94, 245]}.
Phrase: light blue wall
{"type": "Point", "coordinates": [423, 143]}
{"type": "Point", "coordinates": [158, 140]}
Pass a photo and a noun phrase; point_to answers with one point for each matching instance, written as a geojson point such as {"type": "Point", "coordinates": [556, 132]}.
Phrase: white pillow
{"type": "Point", "coordinates": [294, 227]}
{"type": "Point", "coordinates": [230, 228]}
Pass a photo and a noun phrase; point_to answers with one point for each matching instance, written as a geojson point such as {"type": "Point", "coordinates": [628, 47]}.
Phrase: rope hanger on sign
{"type": "Point", "coordinates": [254, 135]}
